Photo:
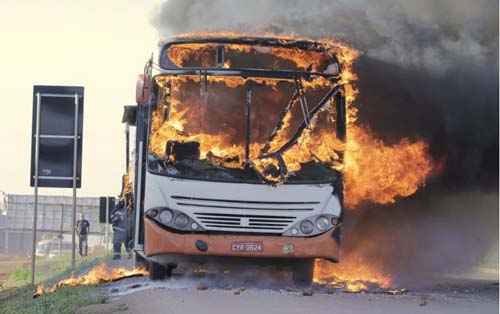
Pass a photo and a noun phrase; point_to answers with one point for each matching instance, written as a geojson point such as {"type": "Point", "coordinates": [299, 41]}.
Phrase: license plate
{"type": "Point", "coordinates": [247, 247]}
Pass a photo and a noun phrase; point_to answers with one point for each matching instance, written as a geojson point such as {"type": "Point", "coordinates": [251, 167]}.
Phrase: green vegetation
{"type": "Point", "coordinates": [20, 275]}
{"type": "Point", "coordinates": [48, 268]}
{"type": "Point", "coordinates": [64, 300]}
{"type": "Point", "coordinates": [17, 294]}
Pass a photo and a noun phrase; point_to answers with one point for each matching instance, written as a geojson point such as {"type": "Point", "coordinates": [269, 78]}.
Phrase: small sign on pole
{"type": "Point", "coordinates": [56, 147]}
{"type": "Point", "coordinates": [106, 207]}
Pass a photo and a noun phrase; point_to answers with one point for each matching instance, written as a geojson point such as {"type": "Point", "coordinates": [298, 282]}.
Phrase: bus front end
{"type": "Point", "coordinates": [240, 149]}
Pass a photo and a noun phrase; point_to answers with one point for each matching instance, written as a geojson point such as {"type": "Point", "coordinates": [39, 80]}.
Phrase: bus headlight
{"type": "Point", "coordinates": [174, 219]}
{"type": "Point", "coordinates": [166, 216]}
{"type": "Point", "coordinates": [312, 226]}
{"type": "Point", "coordinates": [181, 221]}
{"type": "Point", "coordinates": [322, 223]}
{"type": "Point", "coordinates": [306, 227]}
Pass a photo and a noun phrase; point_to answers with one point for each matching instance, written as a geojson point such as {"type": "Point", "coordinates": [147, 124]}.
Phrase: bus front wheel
{"type": "Point", "coordinates": [303, 271]}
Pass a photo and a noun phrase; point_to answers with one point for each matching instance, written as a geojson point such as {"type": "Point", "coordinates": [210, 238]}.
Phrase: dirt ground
{"type": "Point", "coordinates": [223, 292]}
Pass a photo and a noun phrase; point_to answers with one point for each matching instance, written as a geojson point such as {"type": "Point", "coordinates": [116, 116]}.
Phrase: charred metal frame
{"type": "Point", "coordinates": [302, 100]}
{"type": "Point", "coordinates": [248, 121]}
{"type": "Point", "coordinates": [168, 68]}
{"type": "Point", "coordinates": [279, 126]}
{"type": "Point", "coordinates": [293, 140]}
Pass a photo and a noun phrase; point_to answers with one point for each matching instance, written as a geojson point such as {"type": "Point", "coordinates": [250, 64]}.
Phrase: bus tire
{"type": "Point", "coordinates": [157, 271]}
{"type": "Point", "coordinates": [303, 271]}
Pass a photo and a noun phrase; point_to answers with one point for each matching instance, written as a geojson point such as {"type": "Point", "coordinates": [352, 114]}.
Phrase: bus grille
{"type": "Point", "coordinates": [244, 216]}
{"type": "Point", "coordinates": [260, 223]}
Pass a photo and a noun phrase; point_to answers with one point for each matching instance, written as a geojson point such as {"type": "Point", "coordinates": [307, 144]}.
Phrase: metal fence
{"type": "Point", "coordinates": [54, 221]}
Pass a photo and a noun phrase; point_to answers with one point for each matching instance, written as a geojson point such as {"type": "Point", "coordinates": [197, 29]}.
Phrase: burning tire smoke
{"type": "Point", "coordinates": [427, 104]}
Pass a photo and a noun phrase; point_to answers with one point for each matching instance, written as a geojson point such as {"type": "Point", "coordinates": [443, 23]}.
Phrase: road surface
{"type": "Point", "coordinates": [224, 293]}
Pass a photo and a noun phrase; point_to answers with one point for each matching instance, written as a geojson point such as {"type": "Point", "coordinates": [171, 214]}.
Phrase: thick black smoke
{"type": "Point", "coordinates": [429, 70]}
{"type": "Point", "coordinates": [429, 33]}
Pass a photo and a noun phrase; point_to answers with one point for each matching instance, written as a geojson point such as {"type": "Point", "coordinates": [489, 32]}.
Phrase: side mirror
{"type": "Point", "coordinates": [142, 90]}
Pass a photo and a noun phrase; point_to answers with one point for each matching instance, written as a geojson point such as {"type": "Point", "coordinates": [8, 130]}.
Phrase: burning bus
{"type": "Point", "coordinates": [239, 148]}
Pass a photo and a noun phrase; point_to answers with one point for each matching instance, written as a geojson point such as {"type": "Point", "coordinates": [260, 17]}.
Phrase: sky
{"type": "Point", "coordinates": [101, 45]}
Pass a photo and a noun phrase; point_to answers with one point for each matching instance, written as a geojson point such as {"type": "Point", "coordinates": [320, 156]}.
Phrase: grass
{"type": "Point", "coordinates": [18, 297]}
{"type": "Point", "coordinates": [47, 268]}
{"type": "Point", "coordinates": [65, 300]}
{"type": "Point", "coordinates": [20, 275]}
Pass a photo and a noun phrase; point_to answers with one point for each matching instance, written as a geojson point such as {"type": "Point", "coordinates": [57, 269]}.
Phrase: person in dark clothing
{"type": "Point", "coordinates": [119, 223]}
{"type": "Point", "coordinates": [82, 228]}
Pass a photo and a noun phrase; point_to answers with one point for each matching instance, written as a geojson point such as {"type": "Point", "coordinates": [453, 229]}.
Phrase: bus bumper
{"type": "Point", "coordinates": [159, 241]}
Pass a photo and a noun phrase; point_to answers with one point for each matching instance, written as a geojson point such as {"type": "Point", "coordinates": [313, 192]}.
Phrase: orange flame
{"type": "Point", "coordinates": [374, 171]}
{"type": "Point", "coordinates": [204, 55]}
{"type": "Point", "coordinates": [351, 275]}
{"type": "Point", "coordinates": [97, 275]}
{"type": "Point", "coordinates": [381, 173]}
{"type": "Point", "coordinates": [323, 148]}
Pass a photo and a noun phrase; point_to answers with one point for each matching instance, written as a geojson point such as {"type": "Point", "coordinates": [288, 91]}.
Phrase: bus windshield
{"type": "Point", "coordinates": [237, 126]}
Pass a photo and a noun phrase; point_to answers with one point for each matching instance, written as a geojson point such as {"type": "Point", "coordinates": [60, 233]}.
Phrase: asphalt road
{"type": "Point", "coordinates": [223, 293]}
{"type": "Point", "coordinates": [251, 302]}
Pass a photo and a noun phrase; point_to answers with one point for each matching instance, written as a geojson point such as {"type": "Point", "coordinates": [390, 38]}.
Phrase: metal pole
{"type": "Point", "coordinates": [106, 235]}
{"type": "Point", "coordinates": [75, 157]}
{"type": "Point", "coordinates": [248, 108]}
{"type": "Point", "coordinates": [61, 229]}
{"type": "Point", "coordinates": [7, 241]}
{"type": "Point", "coordinates": [35, 205]}
{"type": "Point", "coordinates": [21, 244]}
{"type": "Point", "coordinates": [127, 171]}
{"type": "Point", "coordinates": [138, 194]}
{"type": "Point", "coordinates": [127, 148]}
{"type": "Point", "coordinates": [44, 214]}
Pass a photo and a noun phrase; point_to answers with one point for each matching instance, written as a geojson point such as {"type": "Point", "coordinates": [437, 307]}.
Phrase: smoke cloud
{"type": "Point", "coordinates": [429, 69]}
{"type": "Point", "coordinates": [430, 33]}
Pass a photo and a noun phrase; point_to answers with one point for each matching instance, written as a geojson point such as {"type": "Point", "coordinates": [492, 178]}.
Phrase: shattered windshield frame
{"type": "Point", "coordinates": [269, 165]}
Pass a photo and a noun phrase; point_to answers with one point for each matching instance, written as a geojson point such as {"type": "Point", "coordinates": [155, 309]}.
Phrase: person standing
{"type": "Point", "coordinates": [119, 223]}
{"type": "Point", "coordinates": [82, 228]}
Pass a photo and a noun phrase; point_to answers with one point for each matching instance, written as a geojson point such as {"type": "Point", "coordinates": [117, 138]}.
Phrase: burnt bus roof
{"type": "Point", "coordinates": [250, 40]}
{"type": "Point", "coordinates": [303, 44]}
